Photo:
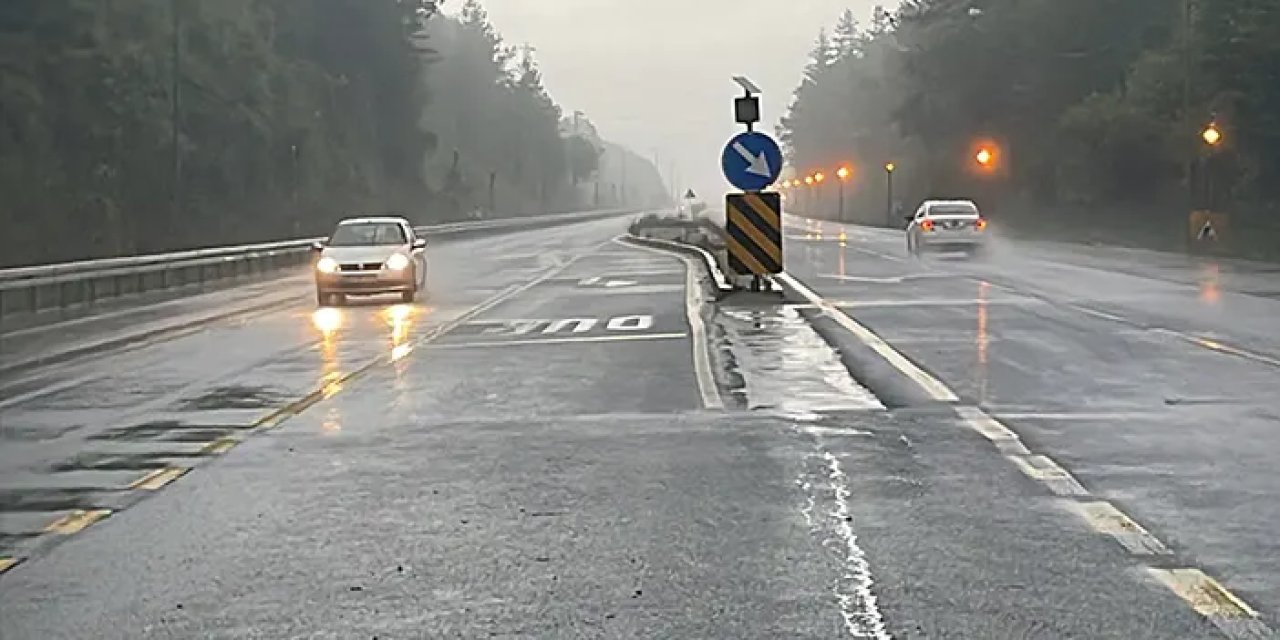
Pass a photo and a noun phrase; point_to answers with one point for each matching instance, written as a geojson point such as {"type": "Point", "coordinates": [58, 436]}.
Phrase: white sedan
{"type": "Point", "coordinates": [370, 256]}
{"type": "Point", "coordinates": [947, 225]}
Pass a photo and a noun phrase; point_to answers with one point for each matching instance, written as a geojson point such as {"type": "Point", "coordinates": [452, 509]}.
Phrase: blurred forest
{"type": "Point", "coordinates": [1094, 112]}
{"type": "Point", "coordinates": [146, 125]}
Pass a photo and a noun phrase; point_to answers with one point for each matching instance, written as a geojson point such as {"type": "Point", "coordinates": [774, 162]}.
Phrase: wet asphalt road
{"type": "Point", "coordinates": [534, 452]}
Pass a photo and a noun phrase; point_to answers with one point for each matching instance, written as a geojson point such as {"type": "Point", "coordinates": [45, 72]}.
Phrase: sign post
{"type": "Point", "coordinates": [752, 162]}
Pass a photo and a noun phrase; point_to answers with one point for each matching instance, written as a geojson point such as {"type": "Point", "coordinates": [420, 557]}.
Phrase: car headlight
{"type": "Point", "coordinates": [327, 265]}
{"type": "Point", "coordinates": [397, 262]}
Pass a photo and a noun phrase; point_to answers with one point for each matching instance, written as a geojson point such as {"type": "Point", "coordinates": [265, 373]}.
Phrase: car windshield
{"type": "Point", "coordinates": [364, 234]}
{"type": "Point", "coordinates": [953, 210]}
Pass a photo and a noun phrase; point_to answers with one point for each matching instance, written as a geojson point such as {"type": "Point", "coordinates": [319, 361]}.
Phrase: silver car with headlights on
{"type": "Point", "coordinates": [370, 256]}
{"type": "Point", "coordinates": [947, 226]}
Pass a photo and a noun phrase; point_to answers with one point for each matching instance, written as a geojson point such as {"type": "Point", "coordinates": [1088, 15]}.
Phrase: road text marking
{"type": "Point", "coordinates": [583, 339]}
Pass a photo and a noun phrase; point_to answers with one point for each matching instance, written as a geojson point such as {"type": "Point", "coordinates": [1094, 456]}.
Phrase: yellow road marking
{"type": "Point", "coordinates": [1206, 595]}
{"type": "Point", "coordinates": [7, 563]}
{"type": "Point", "coordinates": [219, 446]}
{"type": "Point", "coordinates": [1105, 518]}
{"type": "Point", "coordinates": [76, 521]}
{"type": "Point", "coordinates": [158, 478]}
{"type": "Point", "coordinates": [766, 245]}
{"type": "Point", "coordinates": [1044, 469]}
{"type": "Point", "coordinates": [1005, 440]}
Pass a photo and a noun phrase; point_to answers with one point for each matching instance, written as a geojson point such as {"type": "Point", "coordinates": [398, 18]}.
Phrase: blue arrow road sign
{"type": "Point", "coordinates": [752, 161]}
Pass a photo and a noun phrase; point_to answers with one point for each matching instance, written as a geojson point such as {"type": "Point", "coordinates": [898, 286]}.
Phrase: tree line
{"type": "Point", "coordinates": [148, 125]}
{"type": "Point", "coordinates": [1095, 112]}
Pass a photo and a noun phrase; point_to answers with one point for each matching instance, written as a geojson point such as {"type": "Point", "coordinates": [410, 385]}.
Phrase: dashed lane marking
{"type": "Point", "coordinates": [1231, 615]}
{"type": "Point", "coordinates": [931, 385]}
{"type": "Point", "coordinates": [157, 479]}
{"type": "Point", "coordinates": [219, 446]}
{"type": "Point", "coordinates": [1106, 519]}
{"type": "Point", "coordinates": [1044, 469]}
{"type": "Point", "coordinates": [7, 563]}
{"type": "Point", "coordinates": [542, 341]}
{"type": "Point", "coordinates": [76, 521]}
{"type": "Point", "coordinates": [707, 388]}
{"type": "Point", "coordinates": [1005, 440]}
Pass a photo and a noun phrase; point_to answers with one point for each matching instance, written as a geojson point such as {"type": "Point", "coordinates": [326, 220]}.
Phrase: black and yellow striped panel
{"type": "Point", "coordinates": [754, 223]}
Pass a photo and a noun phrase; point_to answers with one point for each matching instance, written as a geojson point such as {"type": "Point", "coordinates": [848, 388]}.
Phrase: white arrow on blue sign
{"type": "Point", "coordinates": [752, 161]}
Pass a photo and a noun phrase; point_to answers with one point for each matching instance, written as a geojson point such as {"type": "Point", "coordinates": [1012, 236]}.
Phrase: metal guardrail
{"type": "Point", "coordinates": [27, 290]}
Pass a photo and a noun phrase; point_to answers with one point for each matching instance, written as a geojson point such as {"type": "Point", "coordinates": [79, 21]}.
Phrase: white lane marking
{"type": "Point", "coordinates": [931, 385]}
{"type": "Point", "coordinates": [1005, 440]}
{"type": "Point", "coordinates": [583, 340]}
{"type": "Point", "coordinates": [862, 618]}
{"type": "Point", "coordinates": [889, 279]}
{"type": "Point", "coordinates": [1083, 416]}
{"type": "Point", "coordinates": [879, 254]}
{"type": "Point", "coordinates": [707, 388]}
{"type": "Point", "coordinates": [965, 302]}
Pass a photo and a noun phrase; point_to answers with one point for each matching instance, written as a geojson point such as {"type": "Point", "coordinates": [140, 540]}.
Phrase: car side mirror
{"type": "Point", "coordinates": [420, 243]}
{"type": "Point", "coordinates": [908, 218]}
{"type": "Point", "coordinates": [317, 246]}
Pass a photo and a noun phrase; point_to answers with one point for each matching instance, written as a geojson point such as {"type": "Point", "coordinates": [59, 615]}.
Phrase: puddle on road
{"type": "Point", "coordinates": [785, 365]}
{"type": "Point", "coordinates": [234, 397]}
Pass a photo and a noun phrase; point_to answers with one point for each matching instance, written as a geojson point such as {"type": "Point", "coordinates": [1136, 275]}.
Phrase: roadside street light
{"type": "Point", "coordinates": [808, 180]}
{"type": "Point", "coordinates": [1211, 134]}
{"type": "Point", "coordinates": [984, 157]}
{"type": "Point", "coordinates": [889, 168]}
{"type": "Point", "coordinates": [843, 173]}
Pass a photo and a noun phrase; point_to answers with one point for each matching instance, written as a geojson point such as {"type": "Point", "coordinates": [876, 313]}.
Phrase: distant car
{"type": "Point", "coordinates": [947, 226]}
{"type": "Point", "coordinates": [370, 256]}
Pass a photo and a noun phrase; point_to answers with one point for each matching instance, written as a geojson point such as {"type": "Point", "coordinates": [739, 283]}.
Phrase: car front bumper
{"type": "Point", "coordinates": [365, 282]}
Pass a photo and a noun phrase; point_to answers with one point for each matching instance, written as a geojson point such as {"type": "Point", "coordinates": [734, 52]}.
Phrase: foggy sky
{"type": "Point", "coordinates": [655, 75]}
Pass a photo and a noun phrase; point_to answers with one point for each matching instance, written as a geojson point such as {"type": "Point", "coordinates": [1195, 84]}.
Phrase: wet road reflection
{"type": "Point", "coordinates": [328, 321]}
{"type": "Point", "coordinates": [983, 341]}
{"type": "Point", "coordinates": [1210, 284]}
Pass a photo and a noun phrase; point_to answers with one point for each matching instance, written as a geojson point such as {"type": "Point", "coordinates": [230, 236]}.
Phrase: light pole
{"type": "Point", "coordinates": [808, 194]}
{"type": "Point", "coordinates": [843, 174]}
{"type": "Point", "coordinates": [889, 168]}
{"type": "Point", "coordinates": [818, 179]}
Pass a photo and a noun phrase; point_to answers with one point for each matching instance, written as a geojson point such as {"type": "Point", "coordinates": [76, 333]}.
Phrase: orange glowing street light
{"type": "Point", "coordinates": [808, 180]}
{"type": "Point", "coordinates": [819, 177]}
{"type": "Point", "coordinates": [843, 173]}
{"type": "Point", "coordinates": [1211, 135]}
{"type": "Point", "coordinates": [890, 167]}
{"type": "Point", "coordinates": [984, 157]}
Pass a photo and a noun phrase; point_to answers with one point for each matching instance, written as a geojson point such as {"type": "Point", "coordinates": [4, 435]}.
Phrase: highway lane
{"type": "Point", "coordinates": [1150, 377]}
{"type": "Point", "coordinates": [533, 452]}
